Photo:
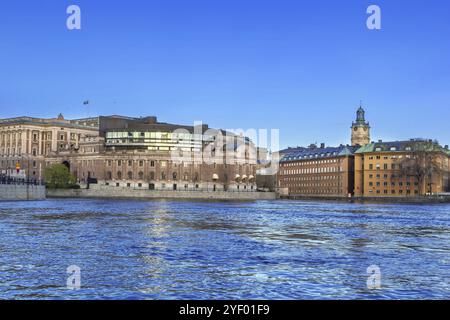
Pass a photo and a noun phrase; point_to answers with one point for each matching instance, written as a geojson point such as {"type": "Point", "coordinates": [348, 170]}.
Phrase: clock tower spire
{"type": "Point", "coordinates": [360, 129]}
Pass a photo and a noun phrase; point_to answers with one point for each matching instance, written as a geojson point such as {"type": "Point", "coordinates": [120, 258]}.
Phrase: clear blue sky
{"type": "Point", "coordinates": [300, 66]}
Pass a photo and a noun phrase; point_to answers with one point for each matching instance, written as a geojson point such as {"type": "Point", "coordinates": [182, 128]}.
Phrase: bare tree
{"type": "Point", "coordinates": [423, 161]}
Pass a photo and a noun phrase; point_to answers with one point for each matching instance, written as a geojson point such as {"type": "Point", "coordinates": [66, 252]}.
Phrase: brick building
{"type": "Point", "coordinates": [317, 171]}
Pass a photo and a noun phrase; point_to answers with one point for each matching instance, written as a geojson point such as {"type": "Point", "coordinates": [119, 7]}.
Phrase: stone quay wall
{"type": "Point", "coordinates": [130, 193]}
{"type": "Point", "coordinates": [10, 192]}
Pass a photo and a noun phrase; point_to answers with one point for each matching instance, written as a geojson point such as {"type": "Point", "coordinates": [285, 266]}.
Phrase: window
{"type": "Point", "coordinates": [130, 175]}
{"type": "Point", "coordinates": [163, 176]}
{"type": "Point", "coordinates": [119, 175]}
{"type": "Point", "coordinates": [152, 163]}
{"type": "Point", "coordinates": [108, 175]}
{"type": "Point", "coordinates": [141, 175]}
{"type": "Point", "coordinates": [130, 163]}
{"type": "Point", "coordinates": [174, 176]}
{"type": "Point", "coordinates": [141, 163]}
{"type": "Point", "coordinates": [152, 175]}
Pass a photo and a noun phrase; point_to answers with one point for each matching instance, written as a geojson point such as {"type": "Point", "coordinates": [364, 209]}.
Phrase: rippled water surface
{"type": "Point", "coordinates": [223, 250]}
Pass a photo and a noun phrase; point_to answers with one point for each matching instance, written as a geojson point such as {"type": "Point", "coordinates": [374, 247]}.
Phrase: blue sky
{"type": "Point", "coordinates": [299, 66]}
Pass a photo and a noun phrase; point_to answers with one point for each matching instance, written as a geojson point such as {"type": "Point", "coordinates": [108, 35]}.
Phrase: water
{"type": "Point", "coordinates": [223, 250]}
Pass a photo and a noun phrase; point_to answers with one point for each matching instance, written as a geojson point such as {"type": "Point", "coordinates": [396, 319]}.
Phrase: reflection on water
{"type": "Point", "coordinates": [223, 250]}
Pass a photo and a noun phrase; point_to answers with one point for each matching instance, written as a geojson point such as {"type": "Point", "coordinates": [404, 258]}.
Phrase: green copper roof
{"type": "Point", "coordinates": [402, 146]}
{"type": "Point", "coordinates": [345, 152]}
{"type": "Point", "coordinates": [367, 148]}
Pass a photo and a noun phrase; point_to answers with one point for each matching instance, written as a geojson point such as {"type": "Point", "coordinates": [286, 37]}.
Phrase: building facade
{"type": "Point", "coordinates": [26, 143]}
{"type": "Point", "coordinates": [144, 153]}
{"type": "Point", "coordinates": [381, 169]}
{"type": "Point", "coordinates": [317, 172]}
{"type": "Point", "coordinates": [365, 169]}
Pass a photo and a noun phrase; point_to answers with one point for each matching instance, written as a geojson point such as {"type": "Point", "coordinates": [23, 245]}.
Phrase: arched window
{"type": "Point", "coordinates": [174, 176]}
{"type": "Point", "coordinates": [186, 176]}
{"type": "Point", "coordinates": [119, 175]}
{"type": "Point", "coordinates": [130, 175]}
{"type": "Point", "coordinates": [196, 176]}
{"type": "Point", "coordinates": [108, 175]}
{"type": "Point", "coordinates": [141, 175]}
{"type": "Point", "coordinates": [152, 175]}
{"type": "Point", "coordinates": [163, 176]}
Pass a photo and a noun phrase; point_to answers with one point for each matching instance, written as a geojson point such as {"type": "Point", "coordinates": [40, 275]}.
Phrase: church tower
{"type": "Point", "coordinates": [360, 129]}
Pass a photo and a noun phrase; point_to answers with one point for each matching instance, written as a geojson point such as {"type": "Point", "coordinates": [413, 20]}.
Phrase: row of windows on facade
{"type": "Point", "coordinates": [152, 186]}
{"type": "Point", "coordinates": [158, 135]}
{"type": "Point", "coordinates": [314, 185]}
{"type": "Point", "coordinates": [379, 149]}
{"type": "Point", "coordinates": [152, 163]}
{"type": "Point", "coordinates": [393, 184]}
{"type": "Point", "coordinates": [316, 191]}
{"type": "Point", "coordinates": [6, 138]}
{"type": "Point", "coordinates": [308, 163]}
{"type": "Point", "coordinates": [385, 166]}
{"type": "Point", "coordinates": [392, 176]}
{"type": "Point", "coordinates": [152, 175]}
{"type": "Point", "coordinates": [311, 178]}
{"type": "Point", "coordinates": [312, 170]}
{"type": "Point", "coordinates": [34, 152]}
{"type": "Point", "coordinates": [12, 163]}
{"type": "Point", "coordinates": [388, 157]}
{"type": "Point", "coordinates": [394, 191]}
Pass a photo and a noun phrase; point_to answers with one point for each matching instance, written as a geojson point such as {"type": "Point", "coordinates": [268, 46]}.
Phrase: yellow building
{"type": "Point", "coordinates": [401, 169]}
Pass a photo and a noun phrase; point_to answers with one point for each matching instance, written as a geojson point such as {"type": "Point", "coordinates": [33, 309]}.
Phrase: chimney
{"type": "Point", "coordinates": [322, 145]}
{"type": "Point", "coordinates": [446, 147]}
{"type": "Point", "coordinates": [380, 141]}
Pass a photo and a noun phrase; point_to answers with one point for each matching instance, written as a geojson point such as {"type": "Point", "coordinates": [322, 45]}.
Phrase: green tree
{"type": "Point", "coordinates": [58, 176]}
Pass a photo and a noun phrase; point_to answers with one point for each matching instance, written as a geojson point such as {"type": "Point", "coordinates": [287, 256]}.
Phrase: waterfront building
{"type": "Point", "coordinates": [317, 171]}
{"type": "Point", "coordinates": [401, 169]}
{"type": "Point", "coordinates": [146, 154]}
{"type": "Point", "coordinates": [26, 142]}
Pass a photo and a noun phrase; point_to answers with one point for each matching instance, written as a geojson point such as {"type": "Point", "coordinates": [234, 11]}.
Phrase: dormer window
{"type": "Point", "coordinates": [393, 149]}
{"type": "Point", "coordinates": [378, 149]}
